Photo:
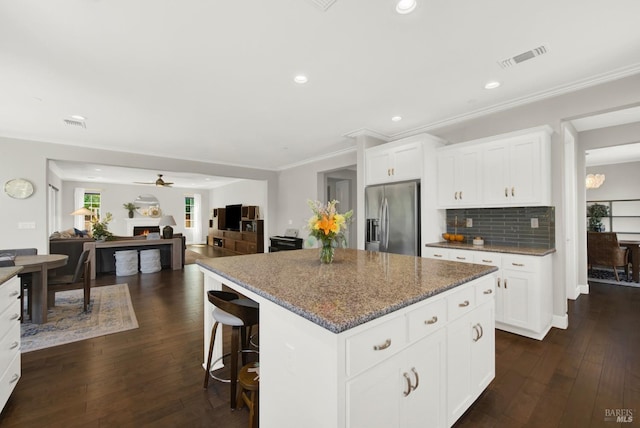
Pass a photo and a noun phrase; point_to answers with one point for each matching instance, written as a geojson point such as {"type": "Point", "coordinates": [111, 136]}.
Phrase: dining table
{"type": "Point", "coordinates": [634, 248]}
{"type": "Point", "coordinates": [39, 266]}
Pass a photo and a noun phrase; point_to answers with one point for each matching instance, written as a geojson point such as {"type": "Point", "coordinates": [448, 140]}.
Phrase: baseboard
{"type": "Point", "coordinates": [583, 288]}
{"type": "Point", "coordinates": [560, 321]}
{"type": "Point", "coordinates": [523, 332]}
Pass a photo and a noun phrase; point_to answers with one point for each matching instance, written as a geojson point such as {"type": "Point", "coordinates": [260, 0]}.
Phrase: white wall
{"type": "Point", "coordinates": [622, 181]}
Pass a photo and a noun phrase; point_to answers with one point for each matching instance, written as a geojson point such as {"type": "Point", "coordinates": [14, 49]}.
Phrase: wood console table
{"type": "Point", "coordinates": [176, 249]}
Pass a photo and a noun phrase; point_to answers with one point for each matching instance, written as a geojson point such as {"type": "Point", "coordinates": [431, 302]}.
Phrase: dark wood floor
{"type": "Point", "coordinates": [152, 376]}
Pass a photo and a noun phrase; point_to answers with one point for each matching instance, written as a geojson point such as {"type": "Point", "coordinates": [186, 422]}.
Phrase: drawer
{"type": "Point", "coordinates": [461, 302]}
{"type": "Point", "coordinates": [521, 263]}
{"type": "Point", "coordinates": [9, 347]}
{"type": "Point", "coordinates": [10, 317]}
{"type": "Point", "coordinates": [485, 258]}
{"type": "Point", "coordinates": [485, 289]}
{"type": "Point", "coordinates": [375, 344]}
{"type": "Point", "coordinates": [436, 253]}
{"type": "Point", "coordinates": [461, 256]}
{"type": "Point", "coordinates": [9, 291]}
{"type": "Point", "coordinates": [252, 248]}
{"type": "Point", "coordinates": [9, 381]}
{"type": "Point", "coordinates": [426, 320]}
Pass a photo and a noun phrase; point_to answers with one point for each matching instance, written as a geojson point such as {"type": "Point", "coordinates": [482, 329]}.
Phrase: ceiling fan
{"type": "Point", "coordinates": [159, 182]}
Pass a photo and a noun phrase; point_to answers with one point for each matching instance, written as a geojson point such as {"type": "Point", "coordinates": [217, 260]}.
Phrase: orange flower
{"type": "Point", "coordinates": [327, 225]}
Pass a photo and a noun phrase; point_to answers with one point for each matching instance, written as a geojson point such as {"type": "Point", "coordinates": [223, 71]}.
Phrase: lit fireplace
{"type": "Point", "coordinates": [145, 230]}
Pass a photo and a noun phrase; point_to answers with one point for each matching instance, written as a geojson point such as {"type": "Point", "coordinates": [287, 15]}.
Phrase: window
{"type": "Point", "coordinates": [92, 201]}
{"type": "Point", "coordinates": [189, 212]}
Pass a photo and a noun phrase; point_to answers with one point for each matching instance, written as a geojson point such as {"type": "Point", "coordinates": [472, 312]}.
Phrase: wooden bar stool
{"type": "Point", "coordinates": [239, 314]}
{"type": "Point", "coordinates": [249, 382]}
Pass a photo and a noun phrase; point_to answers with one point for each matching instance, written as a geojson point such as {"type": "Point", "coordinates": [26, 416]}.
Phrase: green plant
{"type": "Point", "coordinates": [129, 206]}
{"type": "Point", "coordinates": [595, 213]}
{"type": "Point", "coordinates": [100, 230]}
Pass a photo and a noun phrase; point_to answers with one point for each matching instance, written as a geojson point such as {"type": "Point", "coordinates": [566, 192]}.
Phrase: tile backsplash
{"type": "Point", "coordinates": [506, 226]}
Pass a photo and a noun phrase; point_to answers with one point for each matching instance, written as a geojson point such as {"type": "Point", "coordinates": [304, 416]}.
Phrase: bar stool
{"type": "Point", "coordinates": [239, 314]}
{"type": "Point", "coordinates": [249, 381]}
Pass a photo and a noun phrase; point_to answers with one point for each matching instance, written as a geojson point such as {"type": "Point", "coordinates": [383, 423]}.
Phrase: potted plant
{"type": "Point", "coordinates": [99, 229]}
{"type": "Point", "coordinates": [595, 213]}
{"type": "Point", "coordinates": [130, 207]}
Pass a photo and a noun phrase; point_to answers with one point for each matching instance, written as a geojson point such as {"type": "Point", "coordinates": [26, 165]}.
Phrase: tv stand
{"type": "Point", "coordinates": [249, 240]}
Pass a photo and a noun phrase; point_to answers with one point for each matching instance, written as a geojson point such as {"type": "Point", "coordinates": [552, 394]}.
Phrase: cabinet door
{"type": "Point", "coordinates": [495, 171]}
{"type": "Point", "coordinates": [407, 163]}
{"type": "Point", "coordinates": [377, 166]}
{"type": "Point", "coordinates": [517, 303]}
{"type": "Point", "coordinates": [447, 192]}
{"type": "Point", "coordinates": [524, 170]}
{"type": "Point", "coordinates": [468, 177]}
{"type": "Point", "coordinates": [459, 341]}
{"type": "Point", "coordinates": [483, 363]}
{"type": "Point", "coordinates": [374, 397]}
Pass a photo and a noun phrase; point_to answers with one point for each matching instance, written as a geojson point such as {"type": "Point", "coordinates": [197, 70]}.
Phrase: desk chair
{"type": "Point", "coordinates": [81, 278]}
{"type": "Point", "coordinates": [238, 313]}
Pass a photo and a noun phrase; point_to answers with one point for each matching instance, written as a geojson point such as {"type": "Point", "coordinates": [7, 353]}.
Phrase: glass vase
{"type": "Point", "coordinates": [326, 252]}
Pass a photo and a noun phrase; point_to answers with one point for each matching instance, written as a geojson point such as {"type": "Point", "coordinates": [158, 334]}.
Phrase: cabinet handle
{"type": "Point", "coordinates": [437, 255]}
{"type": "Point", "coordinates": [15, 378]}
{"type": "Point", "coordinates": [14, 317]}
{"type": "Point", "coordinates": [481, 331]}
{"type": "Point", "coordinates": [433, 320]}
{"type": "Point", "coordinates": [464, 304]}
{"type": "Point", "coordinates": [506, 192]}
{"type": "Point", "coordinates": [385, 345]}
{"type": "Point", "coordinates": [393, 171]}
{"type": "Point", "coordinates": [487, 261]}
{"type": "Point", "coordinates": [455, 196]}
{"type": "Point", "coordinates": [415, 373]}
{"type": "Point", "coordinates": [477, 337]}
{"type": "Point", "coordinates": [408, 390]}
{"type": "Point", "coordinates": [505, 283]}
{"type": "Point", "coordinates": [461, 195]}
{"type": "Point", "coordinates": [498, 282]}
{"type": "Point", "coordinates": [513, 191]}
{"type": "Point", "coordinates": [14, 345]}
{"type": "Point", "coordinates": [488, 291]}
{"type": "Point", "coordinates": [15, 293]}
{"type": "Point", "coordinates": [461, 258]}
{"type": "Point", "coordinates": [518, 264]}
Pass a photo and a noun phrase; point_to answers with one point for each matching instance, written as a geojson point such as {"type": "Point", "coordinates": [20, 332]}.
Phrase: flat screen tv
{"type": "Point", "coordinates": [233, 215]}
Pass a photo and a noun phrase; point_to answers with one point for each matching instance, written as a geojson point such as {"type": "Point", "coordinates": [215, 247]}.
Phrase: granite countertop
{"type": "Point", "coordinates": [6, 273]}
{"type": "Point", "coordinates": [357, 287]}
{"type": "Point", "coordinates": [526, 251]}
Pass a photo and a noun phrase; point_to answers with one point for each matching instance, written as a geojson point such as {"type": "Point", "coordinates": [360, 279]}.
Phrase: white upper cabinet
{"type": "Point", "coordinates": [393, 162]}
{"type": "Point", "coordinates": [458, 177]}
{"type": "Point", "coordinates": [508, 170]}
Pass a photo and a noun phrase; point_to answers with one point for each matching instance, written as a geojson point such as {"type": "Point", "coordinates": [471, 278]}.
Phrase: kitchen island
{"type": "Point", "coordinates": [373, 339]}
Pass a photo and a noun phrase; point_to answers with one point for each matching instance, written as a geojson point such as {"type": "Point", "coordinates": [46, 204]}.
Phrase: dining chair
{"type": "Point", "coordinates": [603, 249]}
{"type": "Point", "coordinates": [81, 278]}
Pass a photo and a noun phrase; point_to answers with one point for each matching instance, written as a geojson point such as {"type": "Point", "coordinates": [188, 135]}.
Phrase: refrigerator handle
{"type": "Point", "coordinates": [381, 226]}
{"type": "Point", "coordinates": [386, 224]}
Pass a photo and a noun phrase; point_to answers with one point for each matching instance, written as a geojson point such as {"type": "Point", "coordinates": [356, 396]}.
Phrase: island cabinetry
{"type": "Point", "coordinates": [398, 161]}
{"type": "Point", "coordinates": [459, 177]}
{"type": "Point", "coordinates": [506, 170]}
{"type": "Point", "coordinates": [9, 337]}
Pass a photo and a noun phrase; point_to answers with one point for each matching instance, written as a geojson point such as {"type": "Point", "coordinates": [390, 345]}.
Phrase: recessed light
{"type": "Point", "coordinates": [301, 79]}
{"type": "Point", "coordinates": [98, 169]}
{"type": "Point", "coordinates": [404, 7]}
{"type": "Point", "coordinates": [77, 117]}
{"type": "Point", "coordinates": [396, 118]}
{"type": "Point", "coordinates": [492, 85]}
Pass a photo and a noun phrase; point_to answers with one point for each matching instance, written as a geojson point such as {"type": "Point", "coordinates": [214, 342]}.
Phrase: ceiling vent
{"type": "Point", "coordinates": [524, 56]}
{"type": "Point", "coordinates": [323, 5]}
{"type": "Point", "coordinates": [72, 122]}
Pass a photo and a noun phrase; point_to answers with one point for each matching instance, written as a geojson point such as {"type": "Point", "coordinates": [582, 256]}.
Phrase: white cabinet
{"type": "Point", "coordinates": [404, 391]}
{"type": "Point", "coordinates": [459, 177]}
{"type": "Point", "coordinates": [523, 295]}
{"type": "Point", "coordinates": [393, 162]}
{"type": "Point", "coordinates": [507, 170]}
{"type": "Point", "coordinates": [9, 337]}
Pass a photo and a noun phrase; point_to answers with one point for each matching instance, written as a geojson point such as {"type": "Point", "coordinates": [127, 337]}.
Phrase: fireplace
{"type": "Point", "coordinates": [145, 230]}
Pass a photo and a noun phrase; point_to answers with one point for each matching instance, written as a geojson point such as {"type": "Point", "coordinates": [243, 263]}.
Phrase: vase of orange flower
{"type": "Point", "coordinates": [328, 226]}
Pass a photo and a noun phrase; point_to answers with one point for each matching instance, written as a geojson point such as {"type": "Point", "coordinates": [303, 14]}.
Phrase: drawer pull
{"type": "Point", "coordinates": [487, 261]}
{"type": "Point", "coordinates": [408, 390]}
{"type": "Point", "coordinates": [488, 291]}
{"type": "Point", "coordinates": [461, 258]}
{"type": "Point", "coordinates": [464, 304]}
{"type": "Point", "coordinates": [385, 345]}
{"type": "Point", "coordinates": [15, 378]}
{"type": "Point", "coordinates": [433, 320]}
{"type": "Point", "coordinates": [14, 345]}
{"type": "Point", "coordinates": [518, 264]}
{"type": "Point", "coordinates": [14, 317]}
{"type": "Point", "coordinates": [15, 293]}
{"type": "Point", "coordinates": [437, 255]}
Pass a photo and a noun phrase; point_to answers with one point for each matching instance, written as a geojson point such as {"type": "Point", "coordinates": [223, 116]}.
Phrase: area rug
{"type": "Point", "coordinates": [110, 312]}
{"type": "Point", "coordinates": [606, 276]}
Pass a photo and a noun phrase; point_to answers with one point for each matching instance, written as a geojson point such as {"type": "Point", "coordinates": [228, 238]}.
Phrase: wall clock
{"type": "Point", "coordinates": [18, 188]}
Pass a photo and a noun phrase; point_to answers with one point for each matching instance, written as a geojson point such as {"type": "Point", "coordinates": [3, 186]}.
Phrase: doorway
{"type": "Point", "coordinates": [340, 185]}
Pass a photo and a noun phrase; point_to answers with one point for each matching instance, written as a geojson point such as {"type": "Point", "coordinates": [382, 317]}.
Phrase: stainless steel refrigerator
{"type": "Point", "coordinates": [393, 218]}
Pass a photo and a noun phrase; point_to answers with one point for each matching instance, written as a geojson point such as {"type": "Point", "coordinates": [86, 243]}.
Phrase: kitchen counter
{"type": "Point", "coordinates": [525, 251]}
{"type": "Point", "coordinates": [357, 287]}
{"type": "Point", "coordinates": [6, 273]}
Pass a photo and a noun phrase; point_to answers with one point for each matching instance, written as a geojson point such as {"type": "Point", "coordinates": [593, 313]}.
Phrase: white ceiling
{"type": "Point", "coordinates": [212, 81]}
